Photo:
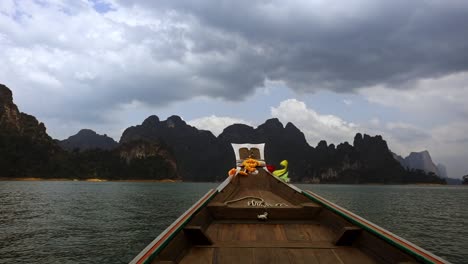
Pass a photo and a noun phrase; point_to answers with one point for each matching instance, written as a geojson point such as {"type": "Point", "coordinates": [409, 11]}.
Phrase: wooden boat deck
{"type": "Point", "coordinates": [275, 255]}
{"type": "Point", "coordinates": [292, 242]}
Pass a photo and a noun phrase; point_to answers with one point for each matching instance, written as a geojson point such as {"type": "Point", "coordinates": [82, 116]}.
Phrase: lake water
{"type": "Point", "coordinates": [111, 222]}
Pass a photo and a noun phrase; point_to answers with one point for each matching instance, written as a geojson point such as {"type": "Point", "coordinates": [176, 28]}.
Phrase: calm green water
{"type": "Point", "coordinates": [110, 222]}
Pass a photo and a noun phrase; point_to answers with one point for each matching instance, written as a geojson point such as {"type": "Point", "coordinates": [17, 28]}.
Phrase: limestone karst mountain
{"type": "Point", "coordinates": [87, 139]}
{"type": "Point", "coordinates": [421, 161]}
{"type": "Point", "coordinates": [26, 150]}
{"type": "Point", "coordinates": [173, 149]}
{"type": "Point", "coordinates": [196, 151]}
{"type": "Point", "coordinates": [201, 156]}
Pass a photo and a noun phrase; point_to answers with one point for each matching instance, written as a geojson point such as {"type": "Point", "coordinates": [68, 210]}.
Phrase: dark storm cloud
{"type": "Point", "coordinates": [158, 52]}
{"type": "Point", "coordinates": [339, 46]}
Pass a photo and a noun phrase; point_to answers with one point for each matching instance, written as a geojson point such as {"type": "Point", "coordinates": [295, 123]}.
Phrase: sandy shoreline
{"type": "Point", "coordinates": [85, 180]}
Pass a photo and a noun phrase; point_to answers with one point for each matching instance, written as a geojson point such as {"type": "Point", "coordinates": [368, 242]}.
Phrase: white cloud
{"type": "Point", "coordinates": [429, 96]}
{"type": "Point", "coordinates": [438, 106]}
{"type": "Point", "coordinates": [314, 125]}
{"type": "Point", "coordinates": [7, 7]}
{"type": "Point", "coordinates": [216, 124]}
{"type": "Point", "coordinates": [374, 121]}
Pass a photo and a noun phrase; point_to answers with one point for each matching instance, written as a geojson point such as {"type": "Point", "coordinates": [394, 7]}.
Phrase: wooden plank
{"type": "Point", "coordinates": [318, 232]}
{"type": "Point", "coordinates": [213, 231]}
{"type": "Point", "coordinates": [302, 256]}
{"type": "Point", "coordinates": [233, 255]}
{"type": "Point", "coordinates": [353, 256]}
{"type": "Point", "coordinates": [268, 232]}
{"type": "Point", "coordinates": [278, 231]}
{"type": "Point", "coordinates": [198, 256]}
{"type": "Point", "coordinates": [325, 234]}
{"type": "Point", "coordinates": [272, 244]}
{"type": "Point", "coordinates": [264, 233]}
{"type": "Point", "coordinates": [327, 256]}
{"type": "Point", "coordinates": [247, 232]}
{"type": "Point", "coordinates": [295, 233]}
{"type": "Point", "coordinates": [253, 233]}
{"type": "Point", "coordinates": [225, 232]}
{"type": "Point", "coordinates": [271, 255]}
{"type": "Point", "coordinates": [269, 222]}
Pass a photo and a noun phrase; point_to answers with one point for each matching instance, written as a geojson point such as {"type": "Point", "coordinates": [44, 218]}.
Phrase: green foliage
{"type": "Point", "coordinates": [21, 156]}
{"type": "Point", "coordinates": [26, 156]}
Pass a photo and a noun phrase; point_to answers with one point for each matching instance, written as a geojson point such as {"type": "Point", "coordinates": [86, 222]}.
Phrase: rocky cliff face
{"type": "Point", "coordinates": [148, 160]}
{"type": "Point", "coordinates": [201, 156]}
{"type": "Point", "coordinates": [12, 121]}
{"type": "Point", "coordinates": [281, 142]}
{"type": "Point", "coordinates": [9, 114]}
{"type": "Point", "coordinates": [197, 152]}
{"type": "Point", "coordinates": [421, 161]}
{"type": "Point", "coordinates": [87, 139]}
{"type": "Point", "coordinates": [142, 149]}
{"type": "Point", "coordinates": [27, 151]}
{"type": "Point", "coordinates": [368, 160]}
{"type": "Point", "coordinates": [25, 148]}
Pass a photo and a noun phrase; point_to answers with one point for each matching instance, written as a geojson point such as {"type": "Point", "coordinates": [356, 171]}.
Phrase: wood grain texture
{"type": "Point", "coordinates": [198, 255]}
{"type": "Point", "coordinates": [234, 255]}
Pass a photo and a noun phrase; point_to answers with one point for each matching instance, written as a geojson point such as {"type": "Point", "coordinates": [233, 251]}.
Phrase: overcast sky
{"type": "Point", "coordinates": [333, 68]}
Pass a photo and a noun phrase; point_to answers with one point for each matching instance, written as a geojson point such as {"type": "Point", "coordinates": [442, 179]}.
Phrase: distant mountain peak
{"type": "Point", "coordinates": [290, 125]}
{"type": "Point", "coordinates": [5, 94]}
{"type": "Point", "coordinates": [86, 131]}
{"type": "Point", "coordinates": [273, 123]}
{"type": "Point", "coordinates": [151, 121]}
{"type": "Point", "coordinates": [174, 121]}
{"type": "Point", "coordinates": [88, 139]}
{"type": "Point", "coordinates": [420, 153]}
{"type": "Point", "coordinates": [419, 160]}
{"type": "Point", "coordinates": [13, 120]}
{"type": "Point", "coordinates": [322, 144]}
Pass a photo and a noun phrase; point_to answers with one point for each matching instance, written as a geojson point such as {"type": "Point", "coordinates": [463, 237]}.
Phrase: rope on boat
{"type": "Point", "coordinates": [242, 198]}
{"type": "Point", "coordinates": [256, 201]}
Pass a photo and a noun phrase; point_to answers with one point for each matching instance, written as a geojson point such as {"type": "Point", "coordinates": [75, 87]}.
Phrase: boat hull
{"type": "Point", "coordinates": [225, 226]}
